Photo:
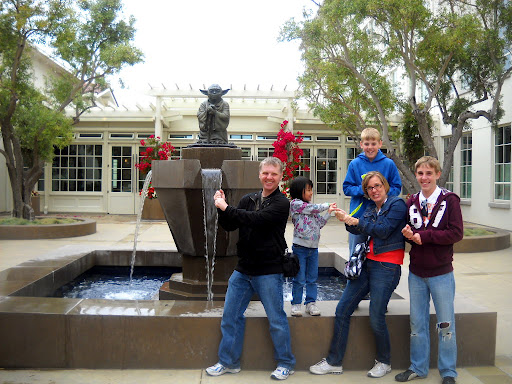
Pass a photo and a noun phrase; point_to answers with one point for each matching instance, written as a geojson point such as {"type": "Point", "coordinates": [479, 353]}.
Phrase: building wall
{"type": "Point", "coordinates": [482, 208]}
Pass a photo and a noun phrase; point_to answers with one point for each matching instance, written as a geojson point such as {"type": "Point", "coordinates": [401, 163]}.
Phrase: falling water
{"type": "Point", "coordinates": [139, 215]}
{"type": "Point", "coordinates": [212, 180]}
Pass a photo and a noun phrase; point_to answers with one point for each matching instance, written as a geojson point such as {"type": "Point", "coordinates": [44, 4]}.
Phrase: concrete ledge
{"type": "Point", "coordinates": [82, 227]}
{"type": "Point", "coordinates": [102, 334]}
{"type": "Point", "coordinates": [46, 332]}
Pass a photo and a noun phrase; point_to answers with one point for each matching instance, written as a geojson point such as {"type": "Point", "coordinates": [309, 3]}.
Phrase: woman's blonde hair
{"type": "Point", "coordinates": [367, 178]}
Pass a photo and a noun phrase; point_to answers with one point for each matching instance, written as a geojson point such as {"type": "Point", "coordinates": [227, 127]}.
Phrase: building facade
{"type": "Point", "coordinates": [97, 173]}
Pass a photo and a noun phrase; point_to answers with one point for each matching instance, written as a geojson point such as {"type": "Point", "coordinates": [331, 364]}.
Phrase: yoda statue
{"type": "Point", "coordinates": [213, 116]}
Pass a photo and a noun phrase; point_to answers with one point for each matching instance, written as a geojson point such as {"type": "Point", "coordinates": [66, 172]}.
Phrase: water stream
{"type": "Point", "coordinates": [139, 216]}
{"type": "Point", "coordinates": [212, 180]}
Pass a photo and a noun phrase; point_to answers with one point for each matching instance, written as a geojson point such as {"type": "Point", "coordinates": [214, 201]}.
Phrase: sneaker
{"type": "Point", "coordinates": [379, 369]}
{"type": "Point", "coordinates": [296, 310]}
{"type": "Point", "coordinates": [312, 309]}
{"type": "Point", "coordinates": [448, 380]}
{"type": "Point", "coordinates": [323, 367]}
{"type": "Point", "coordinates": [407, 376]}
{"type": "Point", "coordinates": [218, 369]}
{"type": "Point", "coordinates": [281, 373]}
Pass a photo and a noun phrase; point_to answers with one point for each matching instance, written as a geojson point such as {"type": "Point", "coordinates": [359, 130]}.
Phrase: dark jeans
{"type": "Point", "coordinates": [380, 279]}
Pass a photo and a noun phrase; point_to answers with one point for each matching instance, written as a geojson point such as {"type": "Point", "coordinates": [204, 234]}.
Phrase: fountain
{"type": "Point", "coordinates": [179, 184]}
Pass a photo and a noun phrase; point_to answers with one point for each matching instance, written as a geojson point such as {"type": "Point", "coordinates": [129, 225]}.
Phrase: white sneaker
{"type": "Point", "coordinates": [379, 369]}
{"type": "Point", "coordinates": [323, 367]}
{"type": "Point", "coordinates": [218, 369]}
{"type": "Point", "coordinates": [281, 373]}
{"type": "Point", "coordinates": [312, 309]}
{"type": "Point", "coordinates": [296, 310]}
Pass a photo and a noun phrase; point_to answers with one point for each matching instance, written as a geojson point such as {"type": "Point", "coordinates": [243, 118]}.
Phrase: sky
{"type": "Point", "coordinates": [225, 42]}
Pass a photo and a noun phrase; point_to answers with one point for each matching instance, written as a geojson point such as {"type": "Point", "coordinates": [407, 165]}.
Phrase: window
{"type": "Point", "coordinates": [40, 182]}
{"type": "Point", "coordinates": [90, 135]}
{"type": "Point", "coordinates": [176, 154]}
{"type": "Point", "coordinates": [180, 137]}
{"type": "Point", "coordinates": [449, 181]}
{"type": "Point", "coordinates": [327, 138]}
{"type": "Point", "coordinates": [127, 136]}
{"type": "Point", "coordinates": [465, 166]}
{"type": "Point", "coordinates": [77, 168]}
{"type": "Point", "coordinates": [240, 137]}
{"type": "Point", "coordinates": [352, 153]}
{"type": "Point", "coordinates": [266, 137]}
{"type": "Point", "coordinates": [326, 171]}
{"type": "Point", "coordinates": [265, 152]}
{"type": "Point", "coordinates": [121, 163]}
{"type": "Point", "coordinates": [502, 149]}
{"type": "Point", "coordinates": [246, 153]}
{"type": "Point", "coordinates": [306, 159]}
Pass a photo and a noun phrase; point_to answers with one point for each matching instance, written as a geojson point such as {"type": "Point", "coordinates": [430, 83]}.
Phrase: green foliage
{"type": "Point", "coordinates": [468, 232]}
{"type": "Point", "coordinates": [45, 221]}
{"type": "Point", "coordinates": [90, 41]}
{"type": "Point", "coordinates": [409, 136]}
{"type": "Point", "coordinates": [456, 55]}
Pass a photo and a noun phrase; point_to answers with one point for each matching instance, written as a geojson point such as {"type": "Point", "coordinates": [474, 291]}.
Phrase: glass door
{"type": "Point", "coordinates": [122, 189]}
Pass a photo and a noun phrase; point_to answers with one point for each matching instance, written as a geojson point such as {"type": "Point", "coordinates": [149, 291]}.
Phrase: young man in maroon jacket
{"type": "Point", "coordinates": [434, 225]}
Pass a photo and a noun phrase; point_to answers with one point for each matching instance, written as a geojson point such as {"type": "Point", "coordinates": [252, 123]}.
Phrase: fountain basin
{"type": "Point", "coordinates": [47, 332]}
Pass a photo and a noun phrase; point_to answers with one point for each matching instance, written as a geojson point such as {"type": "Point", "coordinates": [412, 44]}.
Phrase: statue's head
{"type": "Point", "coordinates": [214, 92]}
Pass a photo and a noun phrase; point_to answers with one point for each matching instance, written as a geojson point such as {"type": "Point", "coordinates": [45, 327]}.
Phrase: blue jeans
{"type": "Point", "coordinates": [380, 279]}
{"type": "Point", "coordinates": [308, 274]}
{"type": "Point", "coordinates": [241, 288]}
{"type": "Point", "coordinates": [353, 240]}
{"type": "Point", "coordinates": [442, 290]}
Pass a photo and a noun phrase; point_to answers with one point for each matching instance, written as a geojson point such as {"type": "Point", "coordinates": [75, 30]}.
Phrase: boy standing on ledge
{"type": "Point", "coordinates": [372, 159]}
{"type": "Point", "coordinates": [434, 224]}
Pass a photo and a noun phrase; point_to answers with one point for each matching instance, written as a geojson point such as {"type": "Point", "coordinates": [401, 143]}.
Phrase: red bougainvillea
{"type": "Point", "coordinates": [155, 150]}
{"type": "Point", "coordinates": [286, 149]}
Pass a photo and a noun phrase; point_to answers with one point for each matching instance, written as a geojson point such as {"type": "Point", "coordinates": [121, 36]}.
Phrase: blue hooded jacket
{"type": "Point", "coordinates": [358, 168]}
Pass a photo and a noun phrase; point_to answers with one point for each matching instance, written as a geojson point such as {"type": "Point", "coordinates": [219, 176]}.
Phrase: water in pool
{"type": "Point", "coordinates": [113, 283]}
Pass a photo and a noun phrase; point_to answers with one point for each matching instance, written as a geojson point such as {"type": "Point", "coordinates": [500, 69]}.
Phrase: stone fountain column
{"type": "Point", "coordinates": [178, 184]}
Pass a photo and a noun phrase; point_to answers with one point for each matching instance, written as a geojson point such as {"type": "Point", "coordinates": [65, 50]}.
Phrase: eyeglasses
{"type": "Point", "coordinates": [376, 187]}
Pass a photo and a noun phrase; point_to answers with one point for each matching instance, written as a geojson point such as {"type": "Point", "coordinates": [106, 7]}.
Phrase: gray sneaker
{"type": "Point", "coordinates": [296, 310]}
{"type": "Point", "coordinates": [408, 376]}
{"type": "Point", "coordinates": [312, 309]}
{"type": "Point", "coordinates": [218, 369]}
{"type": "Point", "coordinates": [379, 369]}
{"type": "Point", "coordinates": [281, 373]}
{"type": "Point", "coordinates": [323, 367]}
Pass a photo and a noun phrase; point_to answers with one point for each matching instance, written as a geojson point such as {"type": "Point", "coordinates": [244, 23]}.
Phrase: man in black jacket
{"type": "Point", "coordinates": [261, 220]}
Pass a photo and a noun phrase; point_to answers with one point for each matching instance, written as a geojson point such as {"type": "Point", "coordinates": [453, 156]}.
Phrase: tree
{"type": "Point", "coordinates": [350, 48]}
{"type": "Point", "coordinates": [90, 40]}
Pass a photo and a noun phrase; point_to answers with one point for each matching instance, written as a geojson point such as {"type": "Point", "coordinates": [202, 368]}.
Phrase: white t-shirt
{"type": "Point", "coordinates": [431, 202]}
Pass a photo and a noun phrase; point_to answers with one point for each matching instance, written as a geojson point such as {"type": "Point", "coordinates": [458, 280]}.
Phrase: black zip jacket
{"type": "Point", "coordinates": [261, 241]}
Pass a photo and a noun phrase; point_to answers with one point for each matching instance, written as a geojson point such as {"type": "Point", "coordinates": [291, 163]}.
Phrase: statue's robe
{"type": "Point", "coordinates": [213, 128]}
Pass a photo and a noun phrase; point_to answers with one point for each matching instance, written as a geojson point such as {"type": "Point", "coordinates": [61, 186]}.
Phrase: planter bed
{"type": "Point", "coordinates": [81, 227]}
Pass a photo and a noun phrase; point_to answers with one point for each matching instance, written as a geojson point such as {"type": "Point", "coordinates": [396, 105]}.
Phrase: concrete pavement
{"type": "Point", "coordinates": [483, 278]}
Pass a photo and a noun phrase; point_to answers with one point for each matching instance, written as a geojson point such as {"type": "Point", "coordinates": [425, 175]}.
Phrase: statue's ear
{"type": "Point", "coordinates": [204, 92]}
{"type": "Point", "coordinates": [225, 91]}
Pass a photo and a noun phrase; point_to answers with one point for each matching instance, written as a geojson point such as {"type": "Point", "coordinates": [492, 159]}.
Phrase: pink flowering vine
{"type": "Point", "coordinates": [286, 149]}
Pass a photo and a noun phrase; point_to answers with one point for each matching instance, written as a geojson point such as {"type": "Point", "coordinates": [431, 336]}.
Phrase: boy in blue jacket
{"type": "Point", "coordinates": [371, 159]}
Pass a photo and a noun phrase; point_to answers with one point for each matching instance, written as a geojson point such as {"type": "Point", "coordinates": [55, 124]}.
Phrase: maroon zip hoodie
{"type": "Point", "coordinates": [434, 257]}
